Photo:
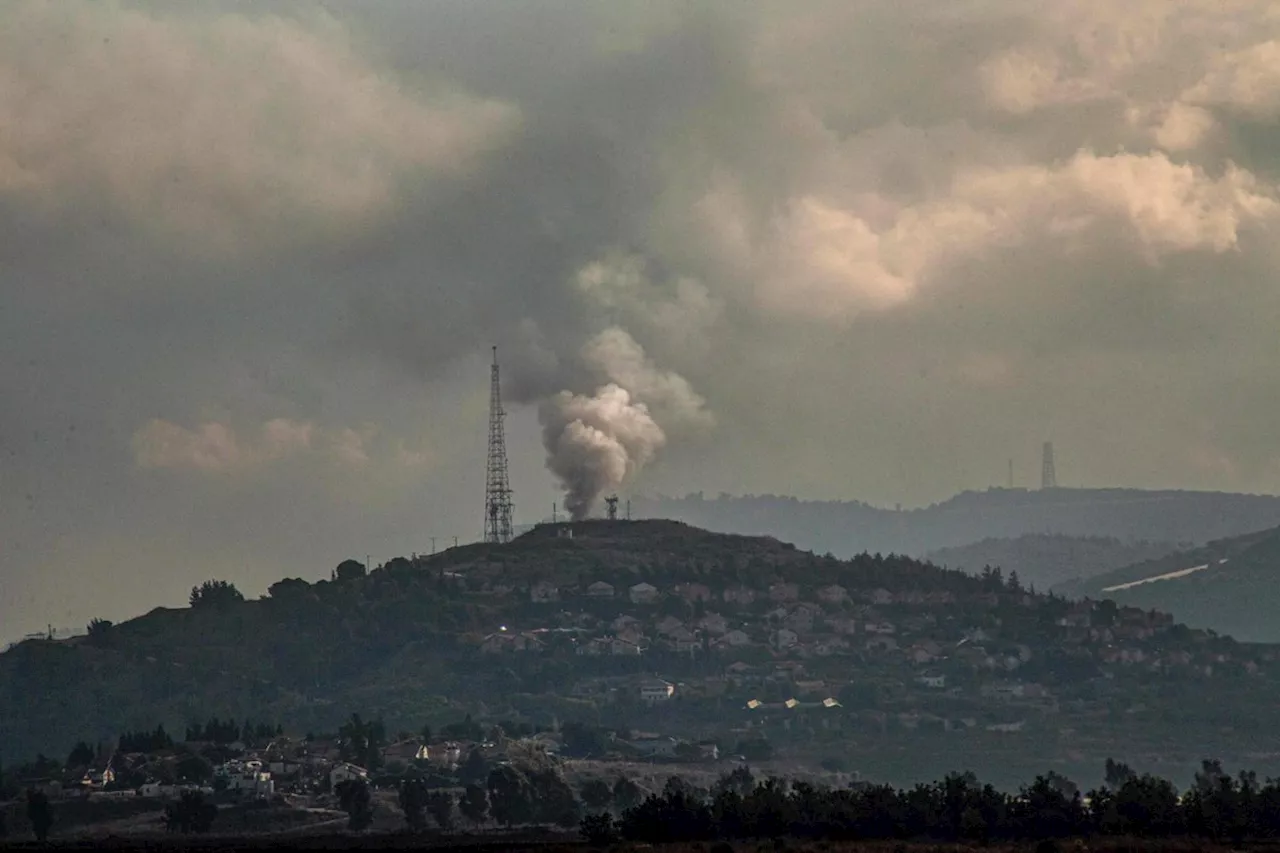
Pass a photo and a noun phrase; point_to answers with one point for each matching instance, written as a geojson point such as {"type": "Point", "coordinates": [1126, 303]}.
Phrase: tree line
{"type": "Point", "coordinates": [957, 809]}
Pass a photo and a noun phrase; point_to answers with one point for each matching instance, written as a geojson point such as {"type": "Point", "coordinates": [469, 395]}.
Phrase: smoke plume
{"type": "Point", "coordinates": [596, 443]}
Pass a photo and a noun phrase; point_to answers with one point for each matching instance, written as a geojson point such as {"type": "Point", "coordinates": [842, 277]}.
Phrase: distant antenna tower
{"type": "Point", "coordinates": [1048, 477]}
{"type": "Point", "coordinates": [497, 490]}
{"type": "Point", "coordinates": [612, 502]}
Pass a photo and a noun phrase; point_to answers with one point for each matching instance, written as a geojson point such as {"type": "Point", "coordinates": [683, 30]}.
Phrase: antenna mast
{"type": "Point", "coordinates": [497, 491]}
{"type": "Point", "coordinates": [1048, 477]}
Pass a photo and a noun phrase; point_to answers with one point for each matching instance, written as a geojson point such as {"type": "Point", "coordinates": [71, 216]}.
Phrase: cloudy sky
{"type": "Point", "coordinates": [253, 257]}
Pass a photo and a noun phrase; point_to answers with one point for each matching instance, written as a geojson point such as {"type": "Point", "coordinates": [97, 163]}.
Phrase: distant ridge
{"type": "Point", "coordinates": [847, 528]}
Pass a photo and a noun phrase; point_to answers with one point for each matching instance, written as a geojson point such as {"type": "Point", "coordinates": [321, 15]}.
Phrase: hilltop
{"type": "Point", "coordinates": [1228, 585]}
{"type": "Point", "coordinates": [1045, 560]}
{"type": "Point", "coordinates": [848, 528]}
{"type": "Point", "coordinates": [884, 665]}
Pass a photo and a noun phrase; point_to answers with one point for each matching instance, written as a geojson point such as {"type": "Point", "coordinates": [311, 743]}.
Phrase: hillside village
{"type": "Point", "coordinates": [670, 644]}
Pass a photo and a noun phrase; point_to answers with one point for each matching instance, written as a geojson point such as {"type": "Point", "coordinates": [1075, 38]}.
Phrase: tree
{"type": "Point", "coordinates": [288, 589]}
{"type": "Point", "coordinates": [362, 742]}
{"type": "Point", "coordinates": [511, 797]}
{"type": "Point", "coordinates": [756, 749]}
{"type": "Point", "coordinates": [39, 813]}
{"type": "Point", "coordinates": [738, 781]}
{"type": "Point", "coordinates": [626, 794]}
{"type": "Point", "coordinates": [596, 794]}
{"type": "Point", "coordinates": [355, 800]}
{"type": "Point", "coordinates": [475, 769]}
{"type": "Point", "coordinates": [98, 628]}
{"type": "Point", "coordinates": [81, 755]}
{"type": "Point", "coordinates": [215, 595]}
{"type": "Point", "coordinates": [598, 830]}
{"type": "Point", "coordinates": [1117, 773]}
{"type": "Point", "coordinates": [413, 802]}
{"type": "Point", "coordinates": [190, 813]}
{"type": "Point", "coordinates": [349, 570]}
{"type": "Point", "coordinates": [440, 805]}
{"type": "Point", "coordinates": [474, 804]}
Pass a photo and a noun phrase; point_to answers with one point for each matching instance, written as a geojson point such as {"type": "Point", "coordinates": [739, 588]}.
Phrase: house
{"type": "Point", "coordinates": [740, 595]}
{"type": "Point", "coordinates": [600, 589]}
{"type": "Point", "coordinates": [784, 638]}
{"type": "Point", "coordinates": [406, 751]}
{"type": "Point", "coordinates": [344, 771]}
{"type": "Point", "coordinates": [833, 594]}
{"type": "Point", "coordinates": [801, 617]}
{"type": "Point", "coordinates": [828, 646]}
{"type": "Point", "coordinates": [925, 651]}
{"type": "Point", "coordinates": [632, 635]}
{"type": "Point", "coordinates": [543, 592]}
{"type": "Point", "coordinates": [714, 623]}
{"type": "Point", "coordinates": [880, 597]}
{"type": "Point", "coordinates": [881, 643]}
{"type": "Point", "coordinates": [784, 592]}
{"type": "Point", "coordinates": [932, 681]}
{"type": "Point", "coordinates": [656, 691]}
{"type": "Point", "coordinates": [643, 593]}
{"type": "Point", "coordinates": [880, 627]}
{"type": "Point", "coordinates": [692, 592]}
{"type": "Point", "coordinates": [843, 625]}
{"type": "Point", "coordinates": [667, 624]}
{"type": "Point", "coordinates": [681, 639]}
{"type": "Point", "coordinates": [1007, 727]}
{"type": "Point", "coordinates": [624, 622]}
{"type": "Point", "coordinates": [731, 640]}
{"type": "Point", "coordinates": [510, 641]}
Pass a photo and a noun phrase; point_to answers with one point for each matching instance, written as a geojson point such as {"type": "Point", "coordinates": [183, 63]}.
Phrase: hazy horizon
{"type": "Point", "coordinates": [254, 259]}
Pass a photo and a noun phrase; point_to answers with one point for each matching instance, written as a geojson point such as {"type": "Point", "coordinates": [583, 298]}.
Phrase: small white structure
{"type": "Point", "coordinates": [643, 593]}
{"type": "Point", "coordinates": [932, 681]}
{"type": "Point", "coordinates": [656, 691]}
{"type": "Point", "coordinates": [600, 589]}
{"type": "Point", "coordinates": [833, 594]}
{"type": "Point", "coordinates": [345, 771]}
{"type": "Point", "coordinates": [784, 638]}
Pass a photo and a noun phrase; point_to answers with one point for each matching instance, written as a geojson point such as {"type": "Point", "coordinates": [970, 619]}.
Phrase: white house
{"type": "Point", "coordinates": [344, 771]}
{"type": "Point", "coordinates": [543, 592]}
{"type": "Point", "coordinates": [881, 596]}
{"type": "Point", "coordinates": [884, 628]}
{"type": "Point", "coordinates": [833, 594]}
{"type": "Point", "coordinates": [732, 640]}
{"type": "Point", "coordinates": [782, 592]}
{"type": "Point", "coordinates": [643, 593]}
{"type": "Point", "coordinates": [784, 638]}
{"type": "Point", "coordinates": [692, 592]}
{"type": "Point", "coordinates": [600, 589]}
{"type": "Point", "coordinates": [656, 691]}
{"type": "Point", "coordinates": [667, 624]}
{"type": "Point", "coordinates": [713, 623]}
{"type": "Point", "coordinates": [681, 639]}
{"type": "Point", "coordinates": [624, 622]}
{"type": "Point", "coordinates": [932, 681]}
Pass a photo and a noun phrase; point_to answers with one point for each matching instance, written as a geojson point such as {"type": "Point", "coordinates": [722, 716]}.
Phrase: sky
{"type": "Point", "coordinates": [253, 257]}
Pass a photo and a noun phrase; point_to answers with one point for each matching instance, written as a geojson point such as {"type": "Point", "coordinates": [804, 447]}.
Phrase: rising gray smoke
{"type": "Point", "coordinates": [596, 442]}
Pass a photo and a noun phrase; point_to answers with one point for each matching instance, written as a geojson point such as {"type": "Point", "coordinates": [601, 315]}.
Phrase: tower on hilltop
{"type": "Point", "coordinates": [1048, 477]}
{"type": "Point", "coordinates": [497, 489]}
{"type": "Point", "coordinates": [612, 503]}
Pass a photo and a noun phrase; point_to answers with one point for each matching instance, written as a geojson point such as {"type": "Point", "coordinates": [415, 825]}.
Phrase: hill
{"type": "Point", "coordinates": [1044, 560]}
{"type": "Point", "coordinates": [889, 666]}
{"type": "Point", "coordinates": [848, 528]}
{"type": "Point", "coordinates": [1228, 585]}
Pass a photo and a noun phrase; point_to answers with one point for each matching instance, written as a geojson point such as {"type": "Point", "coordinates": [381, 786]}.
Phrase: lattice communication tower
{"type": "Point", "coordinates": [1048, 477]}
{"type": "Point", "coordinates": [497, 490]}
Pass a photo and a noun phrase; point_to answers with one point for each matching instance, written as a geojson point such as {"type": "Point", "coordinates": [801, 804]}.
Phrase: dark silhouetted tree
{"type": "Point", "coordinates": [440, 805]}
{"type": "Point", "coordinates": [98, 628]}
{"type": "Point", "coordinates": [190, 813]}
{"type": "Point", "coordinates": [81, 755]}
{"type": "Point", "coordinates": [596, 794]}
{"type": "Point", "coordinates": [215, 595]}
{"type": "Point", "coordinates": [354, 799]}
{"type": "Point", "coordinates": [349, 570]}
{"type": "Point", "coordinates": [474, 804]}
{"type": "Point", "coordinates": [413, 802]}
{"type": "Point", "coordinates": [39, 814]}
